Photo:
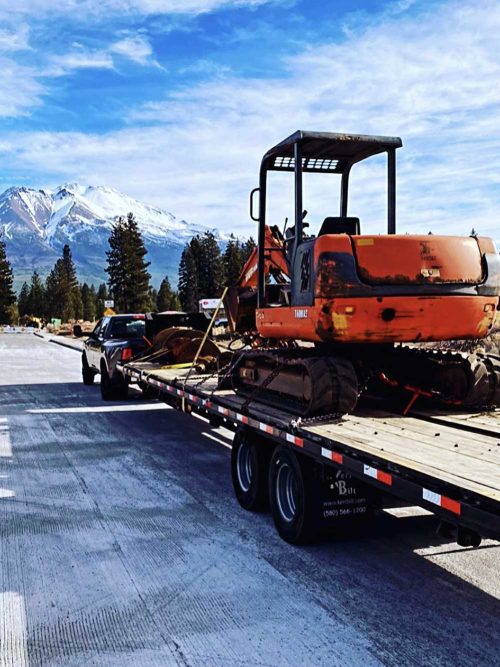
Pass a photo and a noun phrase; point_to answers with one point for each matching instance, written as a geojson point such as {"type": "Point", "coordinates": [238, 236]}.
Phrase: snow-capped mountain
{"type": "Point", "coordinates": [37, 223]}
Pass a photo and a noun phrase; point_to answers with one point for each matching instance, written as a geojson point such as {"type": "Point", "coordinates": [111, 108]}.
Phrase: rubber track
{"type": "Point", "coordinates": [333, 380]}
{"type": "Point", "coordinates": [472, 380]}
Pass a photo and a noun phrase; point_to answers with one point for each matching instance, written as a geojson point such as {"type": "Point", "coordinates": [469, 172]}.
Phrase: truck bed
{"type": "Point", "coordinates": [448, 462]}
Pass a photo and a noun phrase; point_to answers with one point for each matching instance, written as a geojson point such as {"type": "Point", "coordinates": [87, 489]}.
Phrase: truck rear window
{"type": "Point", "coordinates": [126, 328]}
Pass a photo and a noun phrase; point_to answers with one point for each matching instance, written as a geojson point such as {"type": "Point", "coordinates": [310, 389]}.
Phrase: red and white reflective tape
{"type": "Point", "coordinates": [242, 418]}
{"type": "Point", "coordinates": [193, 398]}
{"type": "Point", "coordinates": [207, 403]}
{"type": "Point", "coordinates": [298, 442]}
{"type": "Point", "coordinates": [332, 456]}
{"type": "Point", "coordinates": [379, 475]}
{"type": "Point", "coordinates": [223, 411]}
{"type": "Point", "coordinates": [266, 428]}
{"type": "Point", "coordinates": [180, 392]}
{"type": "Point", "coordinates": [441, 501]}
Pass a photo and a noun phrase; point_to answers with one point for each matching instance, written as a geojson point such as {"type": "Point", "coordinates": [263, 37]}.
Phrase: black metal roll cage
{"type": "Point", "coordinates": [321, 152]}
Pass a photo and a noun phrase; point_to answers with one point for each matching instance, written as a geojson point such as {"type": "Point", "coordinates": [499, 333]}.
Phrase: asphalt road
{"type": "Point", "coordinates": [121, 544]}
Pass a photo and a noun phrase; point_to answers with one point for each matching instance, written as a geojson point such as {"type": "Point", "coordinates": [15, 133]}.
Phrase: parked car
{"type": "Point", "coordinates": [115, 338]}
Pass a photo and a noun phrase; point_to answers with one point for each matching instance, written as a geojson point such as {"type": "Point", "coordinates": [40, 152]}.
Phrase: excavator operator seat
{"type": "Point", "coordinates": [340, 225]}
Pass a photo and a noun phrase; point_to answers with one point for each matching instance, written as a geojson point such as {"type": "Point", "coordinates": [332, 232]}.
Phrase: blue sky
{"type": "Point", "coordinates": [175, 101]}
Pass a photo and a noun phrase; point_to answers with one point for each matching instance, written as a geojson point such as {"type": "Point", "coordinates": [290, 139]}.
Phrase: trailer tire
{"type": "Point", "coordinates": [249, 471]}
{"type": "Point", "coordinates": [88, 374]}
{"type": "Point", "coordinates": [295, 497]}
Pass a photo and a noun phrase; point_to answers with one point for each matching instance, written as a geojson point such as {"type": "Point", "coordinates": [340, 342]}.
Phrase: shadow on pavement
{"type": "Point", "coordinates": [413, 609]}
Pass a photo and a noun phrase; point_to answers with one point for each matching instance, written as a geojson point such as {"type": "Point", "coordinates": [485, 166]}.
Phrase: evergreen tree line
{"type": "Point", "coordinates": [48, 300]}
{"type": "Point", "coordinates": [203, 273]}
{"type": "Point", "coordinates": [129, 278]}
{"type": "Point", "coordinates": [8, 310]}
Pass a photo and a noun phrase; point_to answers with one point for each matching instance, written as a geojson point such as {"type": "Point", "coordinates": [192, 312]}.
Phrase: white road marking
{"type": "Point", "coordinates": [13, 649]}
{"type": "Point", "coordinates": [99, 408]}
{"type": "Point", "coordinates": [5, 444]}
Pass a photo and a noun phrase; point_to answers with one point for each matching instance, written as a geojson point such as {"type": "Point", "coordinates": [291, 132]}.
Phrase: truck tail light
{"type": "Point", "coordinates": [126, 354]}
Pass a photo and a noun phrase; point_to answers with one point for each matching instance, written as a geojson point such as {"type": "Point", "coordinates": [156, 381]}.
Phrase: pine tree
{"type": "Point", "coordinates": [116, 269]}
{"type": "Point", "coordinates": [23, 300]}
{"type": "Point", "coordinates": [188, 279]}
{"type": "Point", "coordinates": [127, 269]}
{"type": "Point", "coordinates": [73, 306]}
{"type": "Point", "coordinates": [167, 298]}
{"type": "Point", "coordinates": [235, 257]}
{"type": "Point", "coordinates": [153, 297]}
{"type": "Point", "coordinates": [247, 249]}
{"type": "Point", "coordinates": [232, 260]}
{"type": "Point", "coordinates": [210, 267]}
{"type": "Point", "coordinates": [37, 300]}
{"type": "Point", "coordinates": [93, 298]}
{"type": "Point", "coordinates": [7, 294]}
{"type": "Point", "coordinates": [201, 271]}
{"type": "Point", "coordinates": [63, 293]}
{"type": "Point", "coordinates": [176, 302]}
{"type": "Point", "coordinates": [53, 295]}
{"type": "Point", "coordinates": [101, 297]}
{"type": "Point", "coordinates": [88, 302]}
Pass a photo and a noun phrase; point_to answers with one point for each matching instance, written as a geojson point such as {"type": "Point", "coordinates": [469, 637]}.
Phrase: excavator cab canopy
{"type": "Point", "coordinates": [326, 151]}
{"type": "Point", "coordinates": [322, 152]}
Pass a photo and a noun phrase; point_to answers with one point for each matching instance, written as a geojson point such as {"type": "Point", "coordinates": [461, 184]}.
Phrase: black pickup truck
{"type": "Point", "coordinates": [115, 338]}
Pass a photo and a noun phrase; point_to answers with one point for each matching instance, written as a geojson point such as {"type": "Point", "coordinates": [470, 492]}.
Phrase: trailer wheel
{"type": "Point", "coordinates": [88, 374]}
{"type": "Point", "coordinates": [295, 497]}
{"type": "Point", "coordinates": [249, 467]}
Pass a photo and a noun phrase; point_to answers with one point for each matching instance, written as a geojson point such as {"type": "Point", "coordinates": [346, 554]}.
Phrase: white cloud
{"type": "Point", "coordinates": [136, 48]}
{"type": "Point", "coordinates": [21, 85]}
{"type": "Point", "coordinates": [76, 60]}
{"type": "Point", "coordinates": [14, 40]}
{"type": "Point", "coordinates": [21, 89]}
{"type": "Point", "coordinates": [86, 9]}
{"type": "Point", "coordinates": [431, 78]}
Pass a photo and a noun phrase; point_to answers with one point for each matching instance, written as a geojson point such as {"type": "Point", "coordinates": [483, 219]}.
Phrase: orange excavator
{"type": "Point", "coordinates": [326, 315]}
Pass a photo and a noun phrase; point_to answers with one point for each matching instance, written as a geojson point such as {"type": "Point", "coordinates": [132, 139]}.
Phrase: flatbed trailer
{"type": "Point", "coordinates": [323, 472]}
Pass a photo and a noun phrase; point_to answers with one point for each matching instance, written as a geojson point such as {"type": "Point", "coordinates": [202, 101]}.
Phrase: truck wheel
{"type": "Point", "coordinates": [88, 374]}
{"type": "Point", "coordinates": [106, 391]}
{"type": "Point", "coordinates": [249, 468]}
{"type": "Point", "coordinates": [294, 496]}
{"type": "Point", "coordinates": [111, 390]}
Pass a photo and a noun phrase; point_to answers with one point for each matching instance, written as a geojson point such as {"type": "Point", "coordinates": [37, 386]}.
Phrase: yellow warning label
{"type": "Point", "coordinates": [365, 241]}
{"type": "Point", "coordinates": [108, 312]}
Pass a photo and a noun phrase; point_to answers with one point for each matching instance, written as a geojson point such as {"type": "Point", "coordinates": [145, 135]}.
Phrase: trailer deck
{"type": "Point", "coordinates": [446, 462]}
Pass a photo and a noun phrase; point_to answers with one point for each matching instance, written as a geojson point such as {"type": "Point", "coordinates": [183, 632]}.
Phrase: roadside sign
{"type": "Point", "coordinates": [109, 303]}
{"type": "Point", "coordinates": [208, 303]}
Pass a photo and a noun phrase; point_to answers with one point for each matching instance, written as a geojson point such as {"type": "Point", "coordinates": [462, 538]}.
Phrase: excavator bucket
{"type": "Point", "coordinates": [181, 345]}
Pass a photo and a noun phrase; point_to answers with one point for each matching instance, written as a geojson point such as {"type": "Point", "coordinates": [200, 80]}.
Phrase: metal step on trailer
{"type": "Point", "coordinates": [447, 463]}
